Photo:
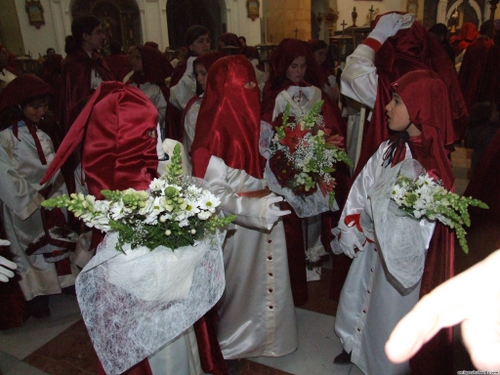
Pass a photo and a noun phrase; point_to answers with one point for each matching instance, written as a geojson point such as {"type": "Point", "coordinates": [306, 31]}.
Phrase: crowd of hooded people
{"type": "Point", "coordinates": [88, 123]}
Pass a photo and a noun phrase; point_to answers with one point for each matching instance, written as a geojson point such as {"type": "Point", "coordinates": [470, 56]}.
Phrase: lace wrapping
{"type": "Point", "coordinates": [399, 235]}
{"type": "Point", "coordinates": [303, 205]}
{"type": "Point", "coordinates": [134, 303]}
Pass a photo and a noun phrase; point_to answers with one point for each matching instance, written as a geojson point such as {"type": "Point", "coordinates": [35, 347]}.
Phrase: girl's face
{"type": "Point", "coordinates": [297, 69]}
{"type": "Point", "coordinates": [201, 45]}
{"type": "Point", "coordinates": [320, 55]}
{"type": "Point", "coordinates": [135, 60]}
{"type": "Point", "coordinates": [397, 114]}
{"type": "Point", "coordinates": [201, 75]}
{"type": "Point", "coordinates": [34, 111]}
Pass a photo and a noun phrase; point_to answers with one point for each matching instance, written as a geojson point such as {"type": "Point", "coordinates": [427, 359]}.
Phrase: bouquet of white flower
{"type": "Point", "coordinates": [137, 299]}
{"type": "Point", "coordinates": [426, 197]}
{"type": "Point", "coordinates": [174, 212]}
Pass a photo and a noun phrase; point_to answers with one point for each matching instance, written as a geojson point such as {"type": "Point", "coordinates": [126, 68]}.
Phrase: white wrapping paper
{"type": "Point", "coordinates": [403, 239]}
{"type": "Point", "coordinates": [134, 303]}
{"type": "Point", "coordinates": [303, 205]}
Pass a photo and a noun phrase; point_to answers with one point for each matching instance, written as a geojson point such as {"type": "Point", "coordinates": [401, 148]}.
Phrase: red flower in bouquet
{"type": "Point", "coordinates": [293, 137]}
{"type": "Point", "coordinates": [304, 153]}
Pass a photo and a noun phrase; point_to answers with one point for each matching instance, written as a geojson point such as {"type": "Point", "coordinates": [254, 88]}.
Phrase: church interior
{"type": "Point", "coordinates": [59, 344]}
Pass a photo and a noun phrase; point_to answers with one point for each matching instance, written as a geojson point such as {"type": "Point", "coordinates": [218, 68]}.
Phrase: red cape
{"type": "Point", "coordinates": [76, 74]}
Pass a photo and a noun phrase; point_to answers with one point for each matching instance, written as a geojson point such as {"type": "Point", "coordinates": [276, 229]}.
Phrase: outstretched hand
{"type": "Point", "coordinates": [471, 298]}
{"type": "Point", "coordinates": [273, 211]}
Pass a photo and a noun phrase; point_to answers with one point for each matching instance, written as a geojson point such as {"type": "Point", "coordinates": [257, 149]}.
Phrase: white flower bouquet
{"type": "Point", "coordinates": [426, 197]}
{"type": "Point", "coordinates": [304, 154]}
{"type": "Point", "coordinates": [175, 211]}
{"type": "Point", "coordinates": [137, 299]}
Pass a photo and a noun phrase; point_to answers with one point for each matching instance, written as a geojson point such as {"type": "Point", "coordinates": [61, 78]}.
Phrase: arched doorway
{"type": "Point", "coordinates": [120, 19]}
{"type": "Point", "coordinates": [181, 14]}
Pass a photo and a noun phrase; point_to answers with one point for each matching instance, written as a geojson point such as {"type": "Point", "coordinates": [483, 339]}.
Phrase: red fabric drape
{"type": "Point", "coordinates": [430, 150]}
{"type": "Point", "coordinates": [228, 124]}
{"type": "Point", "coordinates": [76, 73]}
{"type": "Point", "coordinates": [118, 65]}
{"type": "Point", "coordinates": [465, 36]}
{"type": "Point", "coordinates": [408, 50]}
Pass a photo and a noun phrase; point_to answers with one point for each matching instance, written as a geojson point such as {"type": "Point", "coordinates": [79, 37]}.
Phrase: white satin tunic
{"type": "Point", "coordinates": [370, 306]}
{"type": "Point", "coordinates": [256, 311]}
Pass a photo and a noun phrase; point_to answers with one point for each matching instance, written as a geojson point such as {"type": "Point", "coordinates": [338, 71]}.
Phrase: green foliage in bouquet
{"type": "Point", "coordinates": [175, 211]}
{"type": "Point", "coordinates": [427, 198]}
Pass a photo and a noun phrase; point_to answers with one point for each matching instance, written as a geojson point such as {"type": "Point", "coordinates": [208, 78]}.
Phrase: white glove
{"type": "Point", "coordinates": [189, 66]}
{"type": "Point", "coordinates": [387, 26]}
{"type": "Point", "coordinates": [273, 213]}
{"type": "Point", "coordinates": [5, 272]}
{"type": "Point", "coordinates": [4, 242]}
{"type": "Point", "coordinates": [348, 241]}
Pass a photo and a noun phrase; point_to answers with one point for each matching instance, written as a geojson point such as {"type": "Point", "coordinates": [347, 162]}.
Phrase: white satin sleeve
{"type": "Point", "coordinates": [226, 183]}
{"type": "Point", "coordinates": [355, 205]}
{"type": "Point", "coordinates": [18, 194]}
{"type": "Point", "coordinates": [184, 90]}
{"type": "Point", "coordinates": [358, 194]}
{"type": "Point", "coordinates": [359, 78]}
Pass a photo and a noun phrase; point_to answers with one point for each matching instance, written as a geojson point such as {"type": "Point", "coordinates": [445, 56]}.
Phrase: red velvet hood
{"type": "Point", "coordinates": [118, 127]}
{"type": "Point", "coordinates": [228, 124]}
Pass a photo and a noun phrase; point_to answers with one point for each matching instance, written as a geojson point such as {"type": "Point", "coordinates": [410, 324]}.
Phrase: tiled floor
{"type": "Point", "coordinates": [59, 344]}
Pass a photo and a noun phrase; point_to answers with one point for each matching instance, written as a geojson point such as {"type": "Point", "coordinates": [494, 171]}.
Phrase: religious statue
{"type": "Point", "coordinates": [354, 16]}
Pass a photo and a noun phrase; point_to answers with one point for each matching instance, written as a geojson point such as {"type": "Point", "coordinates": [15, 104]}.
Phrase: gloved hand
{"type": "Point", "coordinates": [387, 26]}
{"type": "Point", "coordinates": [5, 272]}
{"type": "Point", "coordinates": [349, 241]}
{"type": "Point", "coordinates": [189, 66]}
{"type": "Point", "coordinates": [273, 212]}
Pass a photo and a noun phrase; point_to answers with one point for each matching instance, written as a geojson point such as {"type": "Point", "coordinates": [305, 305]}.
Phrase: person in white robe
{"type": "Point", "coordinates": [256, 311]}
{"type": "Point", "coordinates": [377, 294]}
{"type": "Point", "coordinates": [25, 154]}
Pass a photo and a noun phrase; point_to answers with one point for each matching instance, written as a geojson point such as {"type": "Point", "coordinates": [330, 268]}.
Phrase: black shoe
{"type": "Point", "coordinates": [70, 290]}
{"type": "Point", "coordinates": [343, 358]}
{"type": "Point", "coordinates": [38, 307]}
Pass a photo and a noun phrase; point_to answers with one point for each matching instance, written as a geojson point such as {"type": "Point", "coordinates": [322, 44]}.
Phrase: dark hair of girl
{"type": "Point", "coordinates": [80, 25]}
{"type": "Point", "coordinates": [12, 114]}
{"type": "Point", "coordinates": [193, 33]}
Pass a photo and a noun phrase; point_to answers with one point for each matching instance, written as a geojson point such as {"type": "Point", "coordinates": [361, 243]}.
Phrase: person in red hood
{"type": "Point", "coordinates": [296, 79]}
{"type": "Point", "coordinates": [83, 68]}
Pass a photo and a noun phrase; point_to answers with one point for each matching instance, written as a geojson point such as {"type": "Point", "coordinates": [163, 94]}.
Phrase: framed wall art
{"type": "Point", "coordinates": [35, 13]}
{"type": "Point", "coordinates": [253, 9]}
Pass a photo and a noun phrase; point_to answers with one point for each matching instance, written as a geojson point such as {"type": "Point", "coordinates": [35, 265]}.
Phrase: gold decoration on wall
{"type": "Point", "coordinates": [35, 13]}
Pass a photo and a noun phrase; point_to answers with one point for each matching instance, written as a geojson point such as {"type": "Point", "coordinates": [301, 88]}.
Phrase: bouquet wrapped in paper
{"type": "Point", "coordinates": [403, 207]}
{"type": "Point", "coordinates": [424, 197]}
{"type": "Point", "coordinates": [302, 159]}
{"type": "Point", "coordinates": [158, 270]}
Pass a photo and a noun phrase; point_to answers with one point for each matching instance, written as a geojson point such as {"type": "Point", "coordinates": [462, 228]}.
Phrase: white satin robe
{"type": "Point", "coordinates": [256, 311]}
{"type": "Point", "coordinates": [370, 306]}
{"type": "Point", "coordinates": [20, 174]}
